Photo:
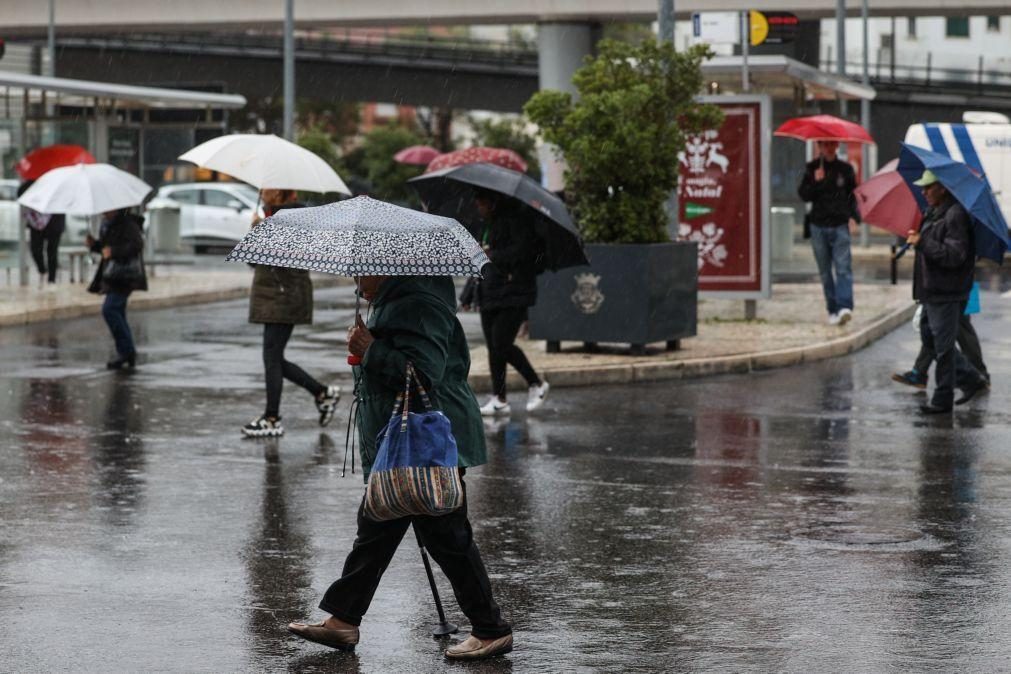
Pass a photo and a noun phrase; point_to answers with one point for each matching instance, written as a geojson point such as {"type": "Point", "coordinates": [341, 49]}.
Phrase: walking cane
{"type": "Point", "coordinates": [444, 628]}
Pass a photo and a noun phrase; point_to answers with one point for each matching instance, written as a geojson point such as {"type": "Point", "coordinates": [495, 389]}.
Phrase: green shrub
{"type": "Point", "coordinates": [621, 139]}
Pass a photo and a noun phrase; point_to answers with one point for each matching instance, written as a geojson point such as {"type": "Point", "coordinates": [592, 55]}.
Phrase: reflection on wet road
{"type": "Point", "coordinates": [800, 520]}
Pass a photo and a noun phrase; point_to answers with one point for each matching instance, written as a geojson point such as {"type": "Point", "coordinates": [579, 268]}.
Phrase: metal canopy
{"type": "Point", "coordinates": [83, 93]}
{"type": "Point", "coordinates": [781, 76]}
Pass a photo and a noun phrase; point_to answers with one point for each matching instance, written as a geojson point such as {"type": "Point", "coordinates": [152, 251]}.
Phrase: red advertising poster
{"type": "Point", "coordinates": [721, 201]}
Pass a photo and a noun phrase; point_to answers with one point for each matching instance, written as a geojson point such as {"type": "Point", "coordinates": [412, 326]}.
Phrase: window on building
{"type": "Point", "coordinates": [957, 26]}
{"type": "Point", "coordinates": [993, 23]}
{"type": "Point", "coordinates": [911, 26]}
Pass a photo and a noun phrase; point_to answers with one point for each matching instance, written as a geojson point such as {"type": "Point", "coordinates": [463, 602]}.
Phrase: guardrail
{"type": "Point", "coordinates": [353, 43]}
{"type": "Point", "coordinates": [926, 74]}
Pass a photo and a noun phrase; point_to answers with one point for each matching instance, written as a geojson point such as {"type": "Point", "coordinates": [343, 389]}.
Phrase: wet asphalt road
{"type": "Point", "coordinates": [794, 520]}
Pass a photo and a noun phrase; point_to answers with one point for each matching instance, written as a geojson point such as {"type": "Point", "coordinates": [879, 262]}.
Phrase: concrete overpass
{"type": "Point", "coordinates": [30, 17]}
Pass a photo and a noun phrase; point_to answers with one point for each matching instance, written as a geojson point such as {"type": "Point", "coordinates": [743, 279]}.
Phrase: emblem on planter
{"type": "Point", "coordinates": [587, 296]}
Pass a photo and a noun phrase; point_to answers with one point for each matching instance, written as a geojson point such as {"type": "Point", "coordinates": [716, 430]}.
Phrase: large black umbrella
{"type": "Point", "coordinates": [450, 192]}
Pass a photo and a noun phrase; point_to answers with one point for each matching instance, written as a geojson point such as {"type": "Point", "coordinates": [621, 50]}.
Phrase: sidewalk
{"type": "Point", "coordinates": [790, 329]}
{"type": "Point", "coordinates": [30, 304]}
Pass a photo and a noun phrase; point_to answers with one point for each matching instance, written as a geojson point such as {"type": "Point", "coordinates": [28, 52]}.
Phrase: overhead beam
{"type": "Point", "coordinates": [30, 17]}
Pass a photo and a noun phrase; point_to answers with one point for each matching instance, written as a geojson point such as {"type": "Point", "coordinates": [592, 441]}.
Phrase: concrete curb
{"type": "Point", "coordinates": [642, 370]}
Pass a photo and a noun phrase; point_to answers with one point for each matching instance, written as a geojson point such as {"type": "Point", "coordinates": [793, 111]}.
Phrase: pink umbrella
{"type": "Point", "coordinates": [886, 202]}
{"type": "Point", "coordinates": [419, 155]}
{"type": "Point", "coordinates": [479, 155]}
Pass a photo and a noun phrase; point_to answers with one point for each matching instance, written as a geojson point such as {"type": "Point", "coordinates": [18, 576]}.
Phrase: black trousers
{"type": "Point", "coordinates": [276, 369]}
{"type": "Point", "coordinates": [450, 542]}
{"type": "Point", "coordinates": [940, 336]}
{"type": "Point", "coordinates": [45, 247]}
{"type": "Point", "coordinates": [968, 342]}
{"type": "Point", "coordinates": [500, 327]}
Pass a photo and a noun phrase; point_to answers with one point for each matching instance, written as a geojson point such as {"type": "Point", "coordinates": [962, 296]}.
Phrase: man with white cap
{"type": "Point", "coordinates": [942, 280]}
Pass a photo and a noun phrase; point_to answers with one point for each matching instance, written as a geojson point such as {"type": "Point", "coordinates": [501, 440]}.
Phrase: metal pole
{"type": "Point", "coordinates": [52, 38]}
{"type": "Point", "coordinates": [865, 117]}
{"type": "Point", "coordinates": [840, 38]}
{"type": "Point", "coordinates": [289, 69]}
{"type": "Point", "coordinates": [665, 21]}
{"type": "Point", "coordinates": [745, 44]}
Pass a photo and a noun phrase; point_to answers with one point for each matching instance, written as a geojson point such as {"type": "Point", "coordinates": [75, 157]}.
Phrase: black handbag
{"type": "Point", "coordinates": [121, 273]}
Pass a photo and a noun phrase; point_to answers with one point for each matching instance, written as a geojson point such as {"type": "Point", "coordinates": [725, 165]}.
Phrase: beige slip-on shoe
{"type": "Point", "coordinates": [473, 648]}
{"type": "Point", "coordinates": [342, 639]}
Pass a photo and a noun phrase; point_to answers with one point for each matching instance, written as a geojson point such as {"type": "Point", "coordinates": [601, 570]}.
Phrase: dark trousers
{"type": "Point", "coordinates": [45, 247]}
{"type": "Point", "coordinates": [968, 342]}
{"type": "Point", "coordinates": [114, 313]}
{"type": "Point", "coordinates": [450, 542]}
{"type": "Point", "coordinates": [276, 369]}
{"type": "Point", "coordinates": [940, 336]}
{"type": "Point", "coordinates": [500, 328]}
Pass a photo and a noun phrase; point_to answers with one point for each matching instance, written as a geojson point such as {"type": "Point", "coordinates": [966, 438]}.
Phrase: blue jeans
{"type": "Point", "coordinates": [832, 249]}
{"type": "Point", "coordinates": [114, 313]}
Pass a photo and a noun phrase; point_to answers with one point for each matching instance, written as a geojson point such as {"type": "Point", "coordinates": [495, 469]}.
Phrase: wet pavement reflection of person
{"type": "Point", "coordinates": [277, 557]}
{"type": "Point", "coordinates": [118, 449]}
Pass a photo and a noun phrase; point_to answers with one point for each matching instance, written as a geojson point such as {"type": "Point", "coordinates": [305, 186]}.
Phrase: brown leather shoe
{"type": "Point", "coordinates": [473, 648]}
{"type": "Point", "coordinates": [342, 639]}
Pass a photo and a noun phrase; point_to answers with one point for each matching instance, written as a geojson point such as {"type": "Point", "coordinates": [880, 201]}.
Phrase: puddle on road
{"type": "Point", "coordinates": [860, 538]}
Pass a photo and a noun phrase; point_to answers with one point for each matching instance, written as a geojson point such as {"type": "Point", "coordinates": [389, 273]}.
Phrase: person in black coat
{"type": "Point", "coordinates": [508, 289]}
{"type": "Point", "coordinates": [44, 233]}
{"type": "Point", "coordinates": [942, 280]}
{"type": "Point", "coordinates": [121, 271]}
{"type": "Point", "coordinates": [828, 183]}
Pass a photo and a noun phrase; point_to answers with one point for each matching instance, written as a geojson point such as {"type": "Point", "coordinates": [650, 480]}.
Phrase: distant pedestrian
{"type": "Point", "coordinates": [44, 232]}
{"type": "Point", "coordinates": [281, 298]}
{"type": "Point", "coordinates": [414, 322]}
{"type": "Point", "coordinates": [121, 271]}
{"type": "Point", "coordinates": [828, 183]}
{"type": "Point", "coordinates": [503, 296]}
{"type": "Point", "coordinates": [942, 280]}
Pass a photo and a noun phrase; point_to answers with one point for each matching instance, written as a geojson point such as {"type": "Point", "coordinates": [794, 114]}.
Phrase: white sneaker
{"type": "Point", "coordinates": [327, 405]}
{"type": "Point", "coordinates": [495, 406]}
{"type": "Point", "coordinates": [262, 427]}
{"type": "Point", "coordinates": [833, 319]}
{"type": "Point", "coordinates": [536, 395]}
{"type": "Point", "coordinates": [845, 316]}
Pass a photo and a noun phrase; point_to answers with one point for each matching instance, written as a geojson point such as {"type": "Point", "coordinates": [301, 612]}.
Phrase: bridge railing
{"type": "Point", "coordinates": [363, 43]}
{"type": "Point", "coordinates": [926, 74]}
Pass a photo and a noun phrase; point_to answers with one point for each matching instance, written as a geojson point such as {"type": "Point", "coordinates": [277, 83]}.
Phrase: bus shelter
{"type": "Point", "coordinates": [140, 129]}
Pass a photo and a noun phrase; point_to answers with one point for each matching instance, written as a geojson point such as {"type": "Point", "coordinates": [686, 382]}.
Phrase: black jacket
{"type": "Point", "coordinates": [124, 234]}
{"type": "Point", "coordinates": [832, 200]}
{"type": "Point", "coordinates": [945, 255]}
{"type": "Point", "coordinates": [511, 279]}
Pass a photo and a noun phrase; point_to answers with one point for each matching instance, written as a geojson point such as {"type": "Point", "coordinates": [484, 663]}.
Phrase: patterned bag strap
{"type": "Point", "coordinates": [425, 400]}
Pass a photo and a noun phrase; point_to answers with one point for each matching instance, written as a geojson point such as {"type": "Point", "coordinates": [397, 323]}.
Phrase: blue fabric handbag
{"type": "Point", "coordinates": [415, 471]}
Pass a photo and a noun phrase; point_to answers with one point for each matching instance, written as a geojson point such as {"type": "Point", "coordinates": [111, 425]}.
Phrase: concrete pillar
{"type": "Point", "coordinates": [561, 48]}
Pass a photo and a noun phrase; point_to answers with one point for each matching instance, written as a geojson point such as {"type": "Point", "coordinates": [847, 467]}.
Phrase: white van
{"type": "Point", "coordinates": [985, 147]}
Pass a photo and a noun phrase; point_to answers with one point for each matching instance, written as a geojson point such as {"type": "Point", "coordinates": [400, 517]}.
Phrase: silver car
{"type": "Point", "coordinates": [210, 214]}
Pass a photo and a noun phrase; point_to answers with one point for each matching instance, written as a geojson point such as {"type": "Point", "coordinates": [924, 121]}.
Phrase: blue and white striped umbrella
{"type": "Point", "coordinates": [363, 237]}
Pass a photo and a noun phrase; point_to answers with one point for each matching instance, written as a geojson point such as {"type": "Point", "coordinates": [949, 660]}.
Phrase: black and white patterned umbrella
{"type": "Point", "coordinates": [363, 237]}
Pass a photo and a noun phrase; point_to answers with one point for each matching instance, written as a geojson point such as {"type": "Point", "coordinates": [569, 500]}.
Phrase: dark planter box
{"type": "Point", "coordinates": [635, 294]}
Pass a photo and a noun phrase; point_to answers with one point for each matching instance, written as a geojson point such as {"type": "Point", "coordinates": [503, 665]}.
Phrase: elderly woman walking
{"type": "Point", "coordinates": [414, 322]}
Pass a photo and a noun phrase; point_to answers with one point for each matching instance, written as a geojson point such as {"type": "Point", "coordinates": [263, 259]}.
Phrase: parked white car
{"type": "Point", "coordinates": [10, 213]}
{"type": "Point", "coordinates": [210, 214]}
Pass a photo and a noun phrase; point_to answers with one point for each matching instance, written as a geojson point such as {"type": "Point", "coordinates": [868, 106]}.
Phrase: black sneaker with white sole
{"type": "Point", "coordinates": [262, 427]}
{"type": "Point", "coordinates": [327, 405]}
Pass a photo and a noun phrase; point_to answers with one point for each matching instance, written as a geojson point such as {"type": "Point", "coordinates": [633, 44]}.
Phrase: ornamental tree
{"type": "Point", "coordinates": [621, 138]}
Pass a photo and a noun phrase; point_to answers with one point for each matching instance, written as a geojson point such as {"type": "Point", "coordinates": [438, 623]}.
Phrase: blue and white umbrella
{"type": "Point", "coordinates": [363, 237]}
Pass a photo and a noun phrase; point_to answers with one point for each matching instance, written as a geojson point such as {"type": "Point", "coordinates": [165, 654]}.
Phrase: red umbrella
{"type": "Point", "coordinates": [886, 202]}
{"type": "Point", "coordinates": [420, 155]}
{"type": "Point", "coordinates": [37, 162]}
{"type": "Point", "coordinates": [479, 155]}
{"type": "Point", "coordinates": [824, 127]}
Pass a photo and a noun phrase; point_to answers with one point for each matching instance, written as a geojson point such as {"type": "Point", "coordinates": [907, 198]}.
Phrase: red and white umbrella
{"type": "Point", "coordinates": [479, 155]}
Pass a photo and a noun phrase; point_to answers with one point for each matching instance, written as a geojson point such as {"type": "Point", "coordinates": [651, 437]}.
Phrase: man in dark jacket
{"type": "Point", "coordinates": [828, 184]}
{"type": "Point", "coordinates": [942, 280]}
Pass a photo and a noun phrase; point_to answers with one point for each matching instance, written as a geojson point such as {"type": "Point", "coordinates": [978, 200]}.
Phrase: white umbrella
{"type": "Point", "coordinates": [267, 162]}
{"type": "Point", "coordinates": [85, 189]}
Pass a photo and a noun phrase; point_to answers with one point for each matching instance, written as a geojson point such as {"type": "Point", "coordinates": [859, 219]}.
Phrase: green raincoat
{"type": "Point", "coordinates": [414, 319]}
